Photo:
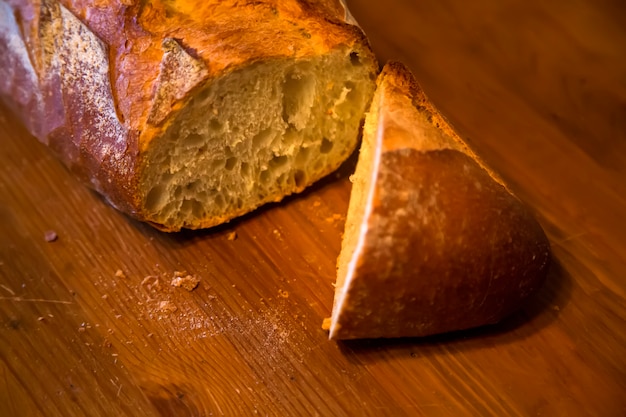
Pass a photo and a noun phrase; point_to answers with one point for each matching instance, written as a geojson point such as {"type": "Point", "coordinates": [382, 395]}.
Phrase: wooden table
{"type": "Point", "coordinates": [90, 325]}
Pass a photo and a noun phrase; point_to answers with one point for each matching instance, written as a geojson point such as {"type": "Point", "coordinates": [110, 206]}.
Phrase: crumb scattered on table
{"type": "Point", "coordinates": [231, 236]}
{"type": "Point", "coordinates": [278, 234]}
{"type": "Point", "coordinates": [50, 236]}
{"type": "Point", "coordinates": [152, 282]}
{"type": "Point", "coordinates": [326, 323]}
{"type": "Point", "coordinates": [187, 282]}
{"type": "Point", "coordinates": [120, 274]}
{"type": "Point", "coordinates": [167, 307]}
{"type": "Point", "coordinates": [335, 217]}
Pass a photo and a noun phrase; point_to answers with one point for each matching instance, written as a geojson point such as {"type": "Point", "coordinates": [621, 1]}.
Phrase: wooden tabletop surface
{"type": "Point", "coordinates": [90, 324]}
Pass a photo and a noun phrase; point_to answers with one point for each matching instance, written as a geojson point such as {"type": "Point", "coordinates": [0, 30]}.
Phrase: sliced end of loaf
{"type": "Point", "coordinates": [359, 208]}
{"type": "Point", "coordinates": [254, 136]}
{"type": "Point", "coordinates": [433, 241]}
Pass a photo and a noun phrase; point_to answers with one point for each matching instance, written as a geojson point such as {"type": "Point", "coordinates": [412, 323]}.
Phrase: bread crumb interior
{"type": "Point", "coordinates": [255, 135]}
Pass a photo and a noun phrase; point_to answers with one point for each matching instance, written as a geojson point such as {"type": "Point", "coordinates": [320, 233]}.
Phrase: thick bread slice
{"type": "Point", "coordinates": [434, 242]}
{"type": "Point", "coordinates": [187, 114]}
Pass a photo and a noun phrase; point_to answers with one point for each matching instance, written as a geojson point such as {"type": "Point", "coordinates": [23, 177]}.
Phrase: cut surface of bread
{"type": "Point", "coordinates": [187, 114]}
{"type": "Point", "coordinates": [434, 241]}
{"type": "Point", "coordinates": [254, 136]}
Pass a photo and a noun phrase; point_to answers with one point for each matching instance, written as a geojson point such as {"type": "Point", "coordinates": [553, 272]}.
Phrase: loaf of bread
{"type": "Point", "coordinates": [187, 114]}
{"type": "Point", "coordinates": [434, 241]}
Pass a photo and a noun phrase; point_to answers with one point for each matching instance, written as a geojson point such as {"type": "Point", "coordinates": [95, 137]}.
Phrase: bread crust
{"type": "Point", "coordinates": [98, 80]}
{"type": "Point", "coordinates": [447, 246]}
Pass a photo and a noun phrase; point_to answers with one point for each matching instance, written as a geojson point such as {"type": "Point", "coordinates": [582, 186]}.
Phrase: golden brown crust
{"type": "Point", "coordinates": [128, 55]}
{"type": "Point", "coordinates": [224, 34]}
{"type": "Point", "coordinates": [401, 87]}
{"type": "Point", "coordinates": [447, 247]}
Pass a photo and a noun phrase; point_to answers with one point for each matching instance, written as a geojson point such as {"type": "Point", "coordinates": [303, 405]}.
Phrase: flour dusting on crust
{"type": "Point", "coordinates": [179, 74]}
{"type": "Point", "coordinates": [16, 65]}
{"type": "Point", "coordinates": [85, 76]}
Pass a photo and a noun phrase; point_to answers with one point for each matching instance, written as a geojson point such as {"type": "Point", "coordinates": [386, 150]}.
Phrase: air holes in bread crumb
{"type": "Point", "coordinates": [303, 157]}
{"type": "Point", "coordinates": [215, 125]}
{"type": "Point", "coordinates": [245, 169]}
{"type": "Point", "coordinates": [299, 178]}
{"type": "Point", "coordinates": [326, 146]}
{"type": "Point", "coordinates": [279, 161]}
{"type": "Point", "coordinates": [298, 97]}
{"type": "Point", "coordinates": [193, 186]}
{"type": "Point", "coordinates": [282, 180]}
{"type": "Point", "coordinates": [219, 200]}
{"type": "Point", "coordinates": [230, 163]}
{"type": "Point", "coordinates": [194, 140]}
{"type": "Point", "coordinates": [264, 177]}
{"type": "Point", "coordinates": [157, 197]}
{"type": "Point", "coordinates": [355, 59]}
{"type": "Point", "coordinates": [262, 139]}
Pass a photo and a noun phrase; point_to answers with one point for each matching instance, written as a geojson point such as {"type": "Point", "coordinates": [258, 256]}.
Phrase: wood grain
{"type": "Point", "coordinates": [539, 90]}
